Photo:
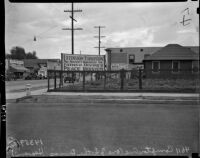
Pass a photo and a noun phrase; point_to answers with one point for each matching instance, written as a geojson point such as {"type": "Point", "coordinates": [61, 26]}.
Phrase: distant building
{"type": "Point", "coordinates": [132, 57]}
{"type": "Point", "coordinates": [127, 58]}
{"type": "Point", "coordinates": [172, 60]}
{"type": "Point", "coordinates": [40, 66]}
{"type": "Point", "coordinates": [54, 65]}
{"type": "Point", "coordinates": [15, 69]}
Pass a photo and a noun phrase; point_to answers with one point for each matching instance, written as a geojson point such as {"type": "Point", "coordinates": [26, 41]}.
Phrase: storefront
{"type": "Point", "coordinates": [15, 69]}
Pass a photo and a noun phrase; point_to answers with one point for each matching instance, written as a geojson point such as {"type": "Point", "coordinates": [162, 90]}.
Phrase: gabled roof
{"type": "Point", "coordinates": [173, 52]}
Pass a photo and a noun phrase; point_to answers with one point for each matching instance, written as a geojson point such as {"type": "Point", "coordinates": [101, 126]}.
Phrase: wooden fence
{"type": "Point", "coordinates": [123, 81]}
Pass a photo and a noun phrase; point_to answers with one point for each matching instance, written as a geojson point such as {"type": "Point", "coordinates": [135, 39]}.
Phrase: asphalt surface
{"type": "Point", "coordinates": [13, 86]}
{"type": "Point", "coordinates": [17, 89]}
{"type": "Point", "coordinates": [103, 125]}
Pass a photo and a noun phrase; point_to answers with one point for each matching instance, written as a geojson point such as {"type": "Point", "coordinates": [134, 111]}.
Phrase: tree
{"type": "Point", "coordinates": [30, 55]}
{"type": "Point", "coordinates": [8, 56]}
{"type": "Point", "coordinates": [18, 53]}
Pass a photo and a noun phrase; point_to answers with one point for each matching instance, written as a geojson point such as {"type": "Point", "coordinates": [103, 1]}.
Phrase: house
{"type": "Point", "coordinates": [173, 60]}
{"type": "Point", "coordinates": [131, 57]}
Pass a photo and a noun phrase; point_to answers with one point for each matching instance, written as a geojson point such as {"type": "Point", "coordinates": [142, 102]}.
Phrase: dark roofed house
{"type": "Point", "coordinates": [171, 61]}
{"type": "Point", "coordinates": [35, 64]}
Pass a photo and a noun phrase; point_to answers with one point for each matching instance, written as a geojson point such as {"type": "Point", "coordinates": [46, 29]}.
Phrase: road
{"type": "Point", "coordinates": [85, 125]}
{"type": "Point", "coordinates": [17, 89]}
{"type": "Point", "coordinates": [20, 85]}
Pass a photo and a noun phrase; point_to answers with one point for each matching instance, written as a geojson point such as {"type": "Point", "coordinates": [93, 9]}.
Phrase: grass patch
{"type": "Point", "coordinates": [133, 84]}
{"type": "Point", "coordinates": [169, 84]}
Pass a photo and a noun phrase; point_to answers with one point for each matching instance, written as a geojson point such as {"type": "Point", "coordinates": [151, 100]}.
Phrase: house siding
{"type": "Point", "coordinates": [166, 70]}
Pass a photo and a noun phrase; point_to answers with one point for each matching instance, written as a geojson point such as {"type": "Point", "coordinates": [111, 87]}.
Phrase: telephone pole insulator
{"type": "Point", "coordinates": [72, 11]}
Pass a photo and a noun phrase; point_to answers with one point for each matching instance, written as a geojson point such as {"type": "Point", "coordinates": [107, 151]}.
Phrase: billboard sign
{"type": "Point", "coordinates": [82, 62]}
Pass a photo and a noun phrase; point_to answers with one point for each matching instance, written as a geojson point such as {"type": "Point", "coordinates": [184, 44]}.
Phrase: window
{"type": "Point", "coordinates": [155, 66]}
{"type": "Point", "coordinates": [195, 66]}
{"type": "Point", "coordinates": [121, 50]}
{"type": "Point", "coordinates": [131, 59]}
{"type": "Point", "coordinates": [175, 66]}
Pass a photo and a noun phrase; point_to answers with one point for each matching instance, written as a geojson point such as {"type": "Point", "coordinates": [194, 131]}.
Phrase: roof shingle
{"type": "Point", "coordinates": [173, 52]}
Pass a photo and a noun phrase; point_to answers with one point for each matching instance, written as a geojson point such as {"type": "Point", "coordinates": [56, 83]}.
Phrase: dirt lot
{"type": "Point", "coordinates": [166, 85]}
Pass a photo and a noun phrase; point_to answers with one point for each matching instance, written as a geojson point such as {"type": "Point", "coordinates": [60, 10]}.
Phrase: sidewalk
{"type": "Point", "coordinates": [125, 94]}
{"type": "Point", "coordinates": [17, 95]}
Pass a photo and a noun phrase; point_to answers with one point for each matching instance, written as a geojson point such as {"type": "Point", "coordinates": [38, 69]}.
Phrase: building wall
{"type": "Point", "coordinates": [118, 61]}
{"type": "Point", "coordinates": [139, 52]}
{"type": "Point", "coordinates": [53, 65]}
{"type": "Point", "coordinates": [185, 70]}
{"type": "Point", "coordinates": [119, 58]}
{"type": "Point", "coordinates": [186, 65]}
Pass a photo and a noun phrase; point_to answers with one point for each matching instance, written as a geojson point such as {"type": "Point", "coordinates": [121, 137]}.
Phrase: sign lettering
{"type": "Point", "coordinates": [82, 62]}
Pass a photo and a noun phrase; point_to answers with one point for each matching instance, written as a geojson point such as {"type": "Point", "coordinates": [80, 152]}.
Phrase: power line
{"type": "Point", "coordinates": [72, 11]}
{"type": "Point", "coordinates": [99, 36]}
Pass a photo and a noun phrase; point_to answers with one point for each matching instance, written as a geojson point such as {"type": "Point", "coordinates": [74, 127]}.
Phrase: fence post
{"type": "Point", "coordinates": [83, 80]}
{"type": "Point", "coordinates": [60, 79]}
{"type": "Point", "coordinates": [54, 79]}
{"type": "Point", "coordinates": [140, 79]}
{"type": "Point", "coordinates": [122, 79]}
{"type": "Point", "coordinates": [91, 77]}
{"type": "Point", "coordinates": [104, 83]}
{"type": "Point", "coordinates": [48, 79]}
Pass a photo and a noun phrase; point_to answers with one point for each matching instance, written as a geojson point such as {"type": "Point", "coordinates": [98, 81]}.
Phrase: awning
{"type": "Point", "coordinates": [19, 69]}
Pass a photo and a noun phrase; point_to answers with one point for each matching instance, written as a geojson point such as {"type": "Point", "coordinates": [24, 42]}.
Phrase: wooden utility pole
{"type": "Point", "coordinates": [72, 22]}
{"type": "Point", "coordinates": [99, 36]}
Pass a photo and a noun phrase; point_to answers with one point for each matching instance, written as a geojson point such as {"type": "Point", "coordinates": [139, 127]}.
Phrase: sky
{"type": "Point", "coordinates": [126, 25]}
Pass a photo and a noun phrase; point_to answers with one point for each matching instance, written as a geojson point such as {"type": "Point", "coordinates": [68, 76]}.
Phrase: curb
{"type": "Point", "coordinates": [23, 98]}
{"type": "Point", "coordinates": [142, 94]}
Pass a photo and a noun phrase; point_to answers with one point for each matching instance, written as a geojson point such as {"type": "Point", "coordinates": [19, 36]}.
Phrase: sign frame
{"type": "Point", "coordinates": [82, 62]}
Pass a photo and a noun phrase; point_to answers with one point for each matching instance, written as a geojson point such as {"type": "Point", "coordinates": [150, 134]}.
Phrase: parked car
{"type": "Point", "coordinates": [31, 77]}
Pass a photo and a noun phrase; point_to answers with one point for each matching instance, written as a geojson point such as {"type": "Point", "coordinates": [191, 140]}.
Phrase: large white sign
{"type": "Point", "coordinates": [82, 62]}
{"type": "Point", "coordinates": [17, 62]}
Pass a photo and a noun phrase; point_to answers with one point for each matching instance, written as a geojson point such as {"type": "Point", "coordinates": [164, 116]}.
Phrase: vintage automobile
{"type": "Point", "coordinates": [69, 79]}
{"type": "Point", "coordinates": [31, 76]}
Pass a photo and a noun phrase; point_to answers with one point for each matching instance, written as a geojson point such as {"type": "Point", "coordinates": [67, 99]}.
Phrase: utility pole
{"type": "Point", "coordinates": [99, 36]}
{"type": "Point", "coordinates": [72, 22]}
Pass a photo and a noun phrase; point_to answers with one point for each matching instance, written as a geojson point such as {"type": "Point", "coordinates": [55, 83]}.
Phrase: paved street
{"type": "Point", "coordinates": [103, 125]}
{"type": "Point", "coordinates": [20, 85]}
{"type": "Point", "coordinates": [17, 89]}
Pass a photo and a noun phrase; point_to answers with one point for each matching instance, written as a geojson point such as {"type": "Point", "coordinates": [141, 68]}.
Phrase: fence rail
{"type": "Point", "coordinates": [124, 80]}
